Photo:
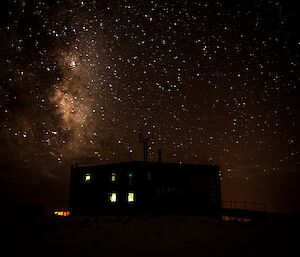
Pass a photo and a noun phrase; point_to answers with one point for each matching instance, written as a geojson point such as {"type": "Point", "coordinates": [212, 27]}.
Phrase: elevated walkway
{"type": "Point", "coordinates": [243, 211]}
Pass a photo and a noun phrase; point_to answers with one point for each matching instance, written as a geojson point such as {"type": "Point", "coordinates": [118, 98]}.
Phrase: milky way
{"type": "Point", "coordinates": [214, 82]}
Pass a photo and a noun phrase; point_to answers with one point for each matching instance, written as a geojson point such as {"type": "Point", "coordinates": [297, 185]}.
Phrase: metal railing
{"type": "Point", "coordinates": [251, 206]}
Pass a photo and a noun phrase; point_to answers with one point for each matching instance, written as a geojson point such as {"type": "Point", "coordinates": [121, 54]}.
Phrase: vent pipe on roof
{"type": "Point", "coordinates": [159, 155]}
{"type": "Point", "coordinates": [145, 140]}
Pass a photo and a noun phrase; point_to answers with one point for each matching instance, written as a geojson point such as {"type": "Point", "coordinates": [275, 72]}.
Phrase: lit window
{"type": "Point", "coordinates": [62, 213]}
{"type": "Point", "coordinates": [113, 197]}
{"type": "Point", "coordinates": [87, 177]}
{"type": "Point", "coordinates": [113, 177]}
{"type": "Point", "coordinates": [131, 197]}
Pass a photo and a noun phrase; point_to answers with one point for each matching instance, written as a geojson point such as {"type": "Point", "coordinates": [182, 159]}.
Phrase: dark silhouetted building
{"type": "Point", "coordinates": [145, 187]}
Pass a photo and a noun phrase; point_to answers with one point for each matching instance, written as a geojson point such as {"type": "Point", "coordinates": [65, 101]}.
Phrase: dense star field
{"type": "Point", "coordinates": [213, 82]}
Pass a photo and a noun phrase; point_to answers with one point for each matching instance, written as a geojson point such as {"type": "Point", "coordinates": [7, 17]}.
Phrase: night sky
{"type": "Point", "coordinates": [214, 82]}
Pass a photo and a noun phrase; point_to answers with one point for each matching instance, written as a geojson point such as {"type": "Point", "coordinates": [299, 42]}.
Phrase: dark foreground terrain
{"type": "Point", "coordinates": [149, 236]}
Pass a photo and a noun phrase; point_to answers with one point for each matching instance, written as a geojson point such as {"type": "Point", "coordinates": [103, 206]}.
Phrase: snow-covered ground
{"type": "Point", "coordinates": [149, 236]}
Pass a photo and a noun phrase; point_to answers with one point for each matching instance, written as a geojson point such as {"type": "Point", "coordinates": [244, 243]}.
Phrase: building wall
{"type": "Point", "coordinates": [156, 187]}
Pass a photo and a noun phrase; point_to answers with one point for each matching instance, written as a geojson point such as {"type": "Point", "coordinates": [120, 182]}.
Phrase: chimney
{"type": "Point", "coordinates": [159, 155]}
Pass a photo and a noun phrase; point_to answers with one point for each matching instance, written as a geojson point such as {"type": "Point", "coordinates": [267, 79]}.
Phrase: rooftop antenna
{"type": "Point", "coordinates": [145, 140]}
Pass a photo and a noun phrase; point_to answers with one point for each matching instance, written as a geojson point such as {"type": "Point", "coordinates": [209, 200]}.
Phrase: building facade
{"type": "Point", "coordinates": [145, 187]}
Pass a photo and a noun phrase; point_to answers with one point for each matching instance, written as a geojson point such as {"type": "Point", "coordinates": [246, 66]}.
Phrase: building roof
{"type": "Point", "coordinates": [150, 165]}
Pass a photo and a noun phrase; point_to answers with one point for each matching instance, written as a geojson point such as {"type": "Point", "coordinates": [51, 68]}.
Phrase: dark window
{"type": "Point", "coordinates": [149, 176]}
{"type": "Point", "coordinates": [113, 177]}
